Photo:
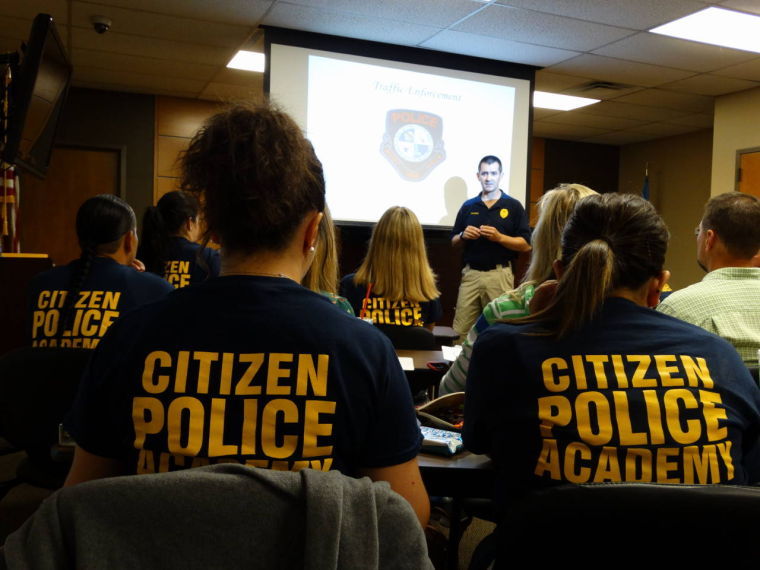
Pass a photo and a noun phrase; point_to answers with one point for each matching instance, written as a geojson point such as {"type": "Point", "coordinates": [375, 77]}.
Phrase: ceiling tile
{"type": "Point", "coordinates": [28, 9]}
{"type": "Point", "coordinates": [143, 65]}
{"type": "Point", "coordinates": [541, 114]}
{"type": "Point", "coordinates": [663, 129]}
{"type": "Point", "coordinates": [639, 15]}
{"type": "Point", "coordinates": [150, 47]}
{"type": "Point", "coordinates": [352, 26]}
{"type": "Point", "coordinates": [706, 84]}
{"type": "Point", "coordinates": [701, 120]}
{"type": "Point", "coordinates": [670, 100]}
{"type": "Point", "coordinates": [241, 12]}
{"type": "Point", "coordinates": [137, 80]}
{"type": "Point", "coordinates": [672, 52]}
{"type": "Point", "coordinates": [135, 89]}
{"type": "Point", "coordinates": [161, 26]}
{"type": "Point", "coordinates": [557, 82]}
{"type": "Point", "coordinates": [540, 29]}
{"type": "Point", "coordinates": [619, 138]}
{"type": "Point", "coordinates": [424, 12]}
{"type": "Point", "coordinates": [748, 70]}
{"type": "Point", "coordinates": [557, 130]}
{"type": "Point", "coordinates": [743, 5]}
{"type": "Point", "coordinates": [596, 121]}
{"type": "Point", "coordinates": [13, 31]}
{"type": "Point", "coordinates": [496, 48]}
{"type": "Point", "coordinates": [627, 72]}
{"type": "Point", "coordinates": [629, 111]}
{"type": "Point", "coordinates": [238, 77]}
{"type": "Point", "coordinates": [600, 92]}
{"type": "Point", "coordinates": [231, 93]}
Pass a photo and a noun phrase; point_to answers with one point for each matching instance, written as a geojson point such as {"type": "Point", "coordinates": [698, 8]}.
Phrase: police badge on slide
{"type": "Point", "coordinates": [413, 142]}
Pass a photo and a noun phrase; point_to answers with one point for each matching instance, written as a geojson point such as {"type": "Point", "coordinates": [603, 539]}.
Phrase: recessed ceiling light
{"type": "Point", "coordinates": [248, 61]}
{"type": "Point", "coordinates": [544, 100]}
{"type": "Point", "coordinates": [716, 26]}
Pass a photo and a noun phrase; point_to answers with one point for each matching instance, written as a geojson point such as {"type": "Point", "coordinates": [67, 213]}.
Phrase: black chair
{"type": "Point", "coordinates": [37, 388]}
{"type": "Point", "coordinates": [627, 523]}
{"type": "Point", "coordinates": [755, 371]}
{"type": "Point", "coordinates": [410, 338]}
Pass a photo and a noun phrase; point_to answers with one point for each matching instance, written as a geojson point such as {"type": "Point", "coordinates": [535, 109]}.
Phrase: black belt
{"type": "Point", "coordinates": [477, 267]}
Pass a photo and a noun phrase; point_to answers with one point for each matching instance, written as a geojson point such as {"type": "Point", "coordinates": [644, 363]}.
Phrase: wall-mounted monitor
{"type": "Point", "coordinates": [37, 95]}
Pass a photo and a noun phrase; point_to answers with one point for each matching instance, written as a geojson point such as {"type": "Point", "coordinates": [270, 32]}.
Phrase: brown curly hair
{"type": "Point", "coordinates": [257, 176]}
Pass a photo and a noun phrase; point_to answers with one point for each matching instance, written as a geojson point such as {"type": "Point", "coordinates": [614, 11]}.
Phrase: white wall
{"type": "Point", "coordinates": [736, 127]}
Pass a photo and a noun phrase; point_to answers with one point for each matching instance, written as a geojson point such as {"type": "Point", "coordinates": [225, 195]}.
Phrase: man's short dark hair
{"type": "Point", "coordinates": [735, 217]}
{"type": "Point", "coordinates": [490, 159]}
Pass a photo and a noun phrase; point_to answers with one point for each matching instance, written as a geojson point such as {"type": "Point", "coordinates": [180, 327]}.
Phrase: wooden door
{"type": "Point", "coordinates": [749, 175]}
{"type": "Point", "coordinates": [48, 207]}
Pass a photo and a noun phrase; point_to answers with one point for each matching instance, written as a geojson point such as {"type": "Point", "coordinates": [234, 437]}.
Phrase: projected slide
{"type": "Point", "coordinates": [400, 134]}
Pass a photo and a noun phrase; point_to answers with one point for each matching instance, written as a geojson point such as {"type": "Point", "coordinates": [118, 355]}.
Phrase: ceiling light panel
{"type": "Point", "coordinates": [544, 100]}
{"type": "Point", "coordinates": [716, 26]}
{"type": "Point", "coordinates": [247, 61]}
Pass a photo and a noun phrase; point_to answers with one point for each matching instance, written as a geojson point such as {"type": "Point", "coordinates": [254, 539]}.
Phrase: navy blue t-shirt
{"type": "Point", "coordinates": [183, 266]}
{"type": "Point", "coordinates": [257, 370]}
{"type": "Point", "coordinates": [382, 311]}
{"type": "Point", "coordinates": [507, 215]}
{"type": "Point", "coordinates": [108, 291]}
{"type": "Point", "coordinates": [634, 396]}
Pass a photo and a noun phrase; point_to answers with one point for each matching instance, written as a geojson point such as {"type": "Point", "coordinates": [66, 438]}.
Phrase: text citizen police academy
{"type": "Point", "coordinates": [688, 412]}
{"type": "Point", "coordinates": [282, 393]}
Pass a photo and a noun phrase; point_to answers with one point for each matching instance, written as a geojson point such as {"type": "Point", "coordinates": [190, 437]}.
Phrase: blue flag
{"type": "Point", "coordinates": [645, 188]}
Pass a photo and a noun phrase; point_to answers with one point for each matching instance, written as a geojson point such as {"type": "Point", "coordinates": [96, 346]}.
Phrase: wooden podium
{"type": "Point", "coordinates": [16, 271]}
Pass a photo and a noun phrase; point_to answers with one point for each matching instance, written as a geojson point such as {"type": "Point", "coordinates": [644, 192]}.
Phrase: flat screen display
{"type": "Point", "coordinates": [37, 96]}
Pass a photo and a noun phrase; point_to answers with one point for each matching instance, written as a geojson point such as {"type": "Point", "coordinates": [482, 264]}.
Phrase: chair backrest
{"type": "Point", "coordinates": [622, 523]}
{"type": "Point", "coordinates": [410, 338]}
{"type": "Point", "coordinates": [222, 516]}
{"type": "Point", "coordinates": [37, 388]}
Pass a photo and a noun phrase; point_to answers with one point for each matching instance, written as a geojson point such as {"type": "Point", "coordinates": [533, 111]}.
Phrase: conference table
{"type": "Point", "coordinates": [463, 476]}
{"type": "Point", "coordinates": [445, 335]}
{"type": "Point", "coordinates": [421, 357]}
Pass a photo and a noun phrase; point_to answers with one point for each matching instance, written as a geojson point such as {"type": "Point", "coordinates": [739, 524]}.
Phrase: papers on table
{"type": "Point", "coordinates": [451, 353]}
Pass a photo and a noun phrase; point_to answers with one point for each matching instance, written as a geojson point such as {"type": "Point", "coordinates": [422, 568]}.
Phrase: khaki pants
{"type": "Point", "coordinates": [477, 289]}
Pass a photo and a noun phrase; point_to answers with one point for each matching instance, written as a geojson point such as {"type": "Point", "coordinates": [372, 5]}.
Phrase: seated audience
{"type": "Point", "coordinates": [168, 246]}
{"type": "Point", "coordinates": [249, 367]}
{"type": "Point", "coordinates": [73, 305]}
{"type": "Point", "coordinates": [595, 386]}
{"type": "Point", "coordinates": [727, 301]}
{"type": "Point", "coordinates": [395, 286]}
{"type": "Point", "coordinates": [322, 276]}
{"type": "Point", "coordinates": [554, 208]}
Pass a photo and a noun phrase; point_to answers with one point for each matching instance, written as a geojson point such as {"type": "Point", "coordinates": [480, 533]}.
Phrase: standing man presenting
{"type": "Point", "coordinates": [493, 228]}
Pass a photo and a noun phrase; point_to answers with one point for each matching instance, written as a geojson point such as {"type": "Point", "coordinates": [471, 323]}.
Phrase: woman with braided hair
{"type": "Point", "coordinates": [73, 305]}
{"type": "Point", "coordinates": [599, 387]}
{"type": "Point", "coordinates": [169, 247]}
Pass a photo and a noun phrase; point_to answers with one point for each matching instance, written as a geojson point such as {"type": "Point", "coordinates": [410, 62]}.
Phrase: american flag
{"type": "Point", "coordinates": [9, 203]}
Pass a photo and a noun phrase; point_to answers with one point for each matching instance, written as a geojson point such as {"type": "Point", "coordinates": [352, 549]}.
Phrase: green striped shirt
{"type": "Point", "coordinates": [508, 306]}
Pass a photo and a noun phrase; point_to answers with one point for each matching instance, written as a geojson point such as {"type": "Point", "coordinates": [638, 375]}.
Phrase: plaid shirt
{"type": "Point", "coordinates": [726, 302]}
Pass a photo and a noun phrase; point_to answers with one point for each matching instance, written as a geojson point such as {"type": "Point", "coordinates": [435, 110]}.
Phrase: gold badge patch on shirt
{"type": "Point", "coordinates": [504, 213]}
